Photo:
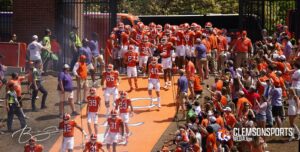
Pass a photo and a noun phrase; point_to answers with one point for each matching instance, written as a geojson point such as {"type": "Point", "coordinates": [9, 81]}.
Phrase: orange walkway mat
{"type": "Point", "coordinates": [143, 137]}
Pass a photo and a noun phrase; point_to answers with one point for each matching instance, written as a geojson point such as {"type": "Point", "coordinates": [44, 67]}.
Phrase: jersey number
{"type": "Point", "coordinates": [123, 105]}
{"type": "Point", "coordinates": [67, 128]}
{"type": "Point", "coordinates": [110, 78]}
{"type": "Point", "coordinates": [92, 103]}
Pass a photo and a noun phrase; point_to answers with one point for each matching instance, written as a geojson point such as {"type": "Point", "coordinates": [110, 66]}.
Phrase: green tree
{"type": "Point", "coordinates": [178, 7]}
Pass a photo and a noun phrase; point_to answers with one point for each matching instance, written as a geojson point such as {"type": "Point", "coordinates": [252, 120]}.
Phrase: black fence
{"type": "Point", "coordinates": [5, 20]}
{"type": "Point", "coordinates": [265, 13]}
{"type": "Point", "coordinates": [89, 16]}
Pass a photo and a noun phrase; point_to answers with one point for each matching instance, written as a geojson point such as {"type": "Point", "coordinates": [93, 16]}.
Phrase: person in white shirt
{"type": "Point", "coordinates": [35, 49]}
{"type": "Point", "coordinates": [296, 79]}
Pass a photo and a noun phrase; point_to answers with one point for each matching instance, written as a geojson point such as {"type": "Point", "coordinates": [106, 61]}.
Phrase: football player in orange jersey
{"type": "Point", "coordinates": [114, 127]}
{"type": "Point", "coordinates": [111, 77]}
{"type": "Point", "coordinates": [166, 54]}
{"type": "Point", "coordinates": [131, 59]}
{"type": "Point", "coordinates": [123, 104]}
{"type": "Point", "coordinates": [92, 110]}
{"type": "Point", "coordinates": [68, 126]}
{"type": "Point", "coordinates": [93, 145]}
{"type": "Point", "coordinates": [144, 53]}
{"type": "Point", "coordinates": [153, 81]}
{"type": "Point", "coordinates": [32, 146]}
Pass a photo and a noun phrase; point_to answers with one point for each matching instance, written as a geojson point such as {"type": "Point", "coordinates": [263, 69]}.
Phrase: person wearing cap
{"type": "Point", "coordinates": [97, 56]}
{"type": "Point", "coordinates": [182, 91]}
{"type": "Point", "coordinates": [38, 86]}
{"type": "Point", "coordinates": [12, 106]}
{"type": "Point", "coordinates": [93, 145]}
{"type": "Point", "coordinates": [242, 49]}
{"type": "Point", "coordinates": [46, 51]}
{"type": "Point", "coordinates": [201, 60]}
{"type": "Point", "coordinates": [80, 70]}
{"type": "Point", "coordinates": [65, 90]}
{"type": "Point", "coordinates": [32, 146]}
{"type": "Point", "coordinates": [115, 126]}
{"type": "Point", "coordinates": [35, 50]}
{"type": "Point", "coordinates": [86, 51]}
{"type": "Point", "coordinates": [68, 127]}
{"type": "Point", "coordinates": [75, 44]}
{"type": "Point", "coordinates": [213, 123]}
{"type": "Point", "coordinates": [241, 100]}
{"type": "Point", "coordinates": [229, 117]}
{"type": "Point", "coordinates": [13, 38]}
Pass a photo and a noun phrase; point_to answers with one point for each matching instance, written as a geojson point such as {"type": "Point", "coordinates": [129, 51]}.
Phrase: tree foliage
{"type": "Point", "coordinates": [177, 7]}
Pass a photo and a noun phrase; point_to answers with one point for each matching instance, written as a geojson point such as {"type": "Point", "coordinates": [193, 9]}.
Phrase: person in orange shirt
{"type": "Point", "coordinates": [93, 145]}
{"type": "Point", "coordinates": [92, 110]}
{"type": "Point", "coordinates": [32, 146]}
{"type": "Point", "coordinates": [16, 81]}
{"type": "Point", "coordinates": [68, 126]}
{"type": "Point", "coordinates": [123, 104]}
{"type": "Point", "coordinates": [219, 118]}
{"type": "Point", "coordinates": [243, 48]}
{"type": "Point", "coordinates": [197, 86]}
{"type": "Point", "coordinates": [211, 141]}
{"type": "Point", "coordinates": [131, 59]}
{"type": "Point", "coordinates": [222, 49]}
{"type": "Point", "coordinates": [111, 77]}
{"type": "Point", "coordinates": [214, 50]}
{"type": "Point", "coordinates": [241, 101]}
{"type": "Point", "coordinates": [180, 48]}
{"type": "Point", "coordinates": [190, 74]}
{"type": "Point", "coordinates": [230, 119]}
{"type": "Point", "coordinates": [114, 128]}
{"type": "Point", "coordinates": [153, 81]}
{"type": "Point", "coordinates": [80, 70]}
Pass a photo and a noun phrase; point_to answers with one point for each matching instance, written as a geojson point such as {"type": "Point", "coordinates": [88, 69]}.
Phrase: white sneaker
{"type": "Point", "coordinates": [298, 138]}
{"type": "Point", "coordinates": [158, 105]}
{"type": "Point", "coordinates": [166, 86]}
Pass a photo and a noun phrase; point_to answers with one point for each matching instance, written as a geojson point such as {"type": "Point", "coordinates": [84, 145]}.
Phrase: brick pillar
{"type": "Point", "coordinates": [33, 17]}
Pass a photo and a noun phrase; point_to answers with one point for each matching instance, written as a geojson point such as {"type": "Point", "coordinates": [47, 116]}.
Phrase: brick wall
{"type": "Point", "coordinates": [33, 17]}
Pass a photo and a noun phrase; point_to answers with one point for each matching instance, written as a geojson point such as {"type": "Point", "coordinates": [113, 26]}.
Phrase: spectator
{"type": "Point", "coordinates": [296, 78]}
{"type": "Point", "coordinates": [201, 59]}
{"type": "Point", "coordinates": [13, 38]}
{"type": "Point", "coordinates": [2, 73]}
{"type": "Point", "coordinates": [80, 70]}
{"type": "Point", "coordinates": [243, 47]}
{"type": "Point", "coordinates": [190, 74]}
{"type": "Point", "coordinates": [46, 51]}
{"type": "Point", "coordinates": [35, 49]}
{"type": "Point", "coordinates": [97, 57]}
{"type": "Point", "coordinates": [86, 51]}
{"type": "Point", "coordinates": [65, 90]}
{"type": "Point", "coordinates": [182, 91]}
{"type": "Point", "coordinates": [211, 141]}
{"type": "Point", "coordinates": [276, 102]}
{"type": "Point", "coordinates": [293, 109]}
{"type": "Point", "coordinates": [37, 86]}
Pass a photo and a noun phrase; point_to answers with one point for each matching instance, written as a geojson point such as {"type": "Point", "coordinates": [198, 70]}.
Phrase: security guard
{"type": "Point", "coordinates": [75, 44]}
{"type": "Point", "coordinates": [13, 107]}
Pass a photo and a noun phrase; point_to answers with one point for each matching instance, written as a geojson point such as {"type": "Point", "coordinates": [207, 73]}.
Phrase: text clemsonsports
{"type": "Point", "coordinates": [238, 132]}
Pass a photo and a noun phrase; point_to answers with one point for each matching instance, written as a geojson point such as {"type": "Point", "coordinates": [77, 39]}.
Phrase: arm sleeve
{"type": "Point", "coordinates": [75, 68]}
